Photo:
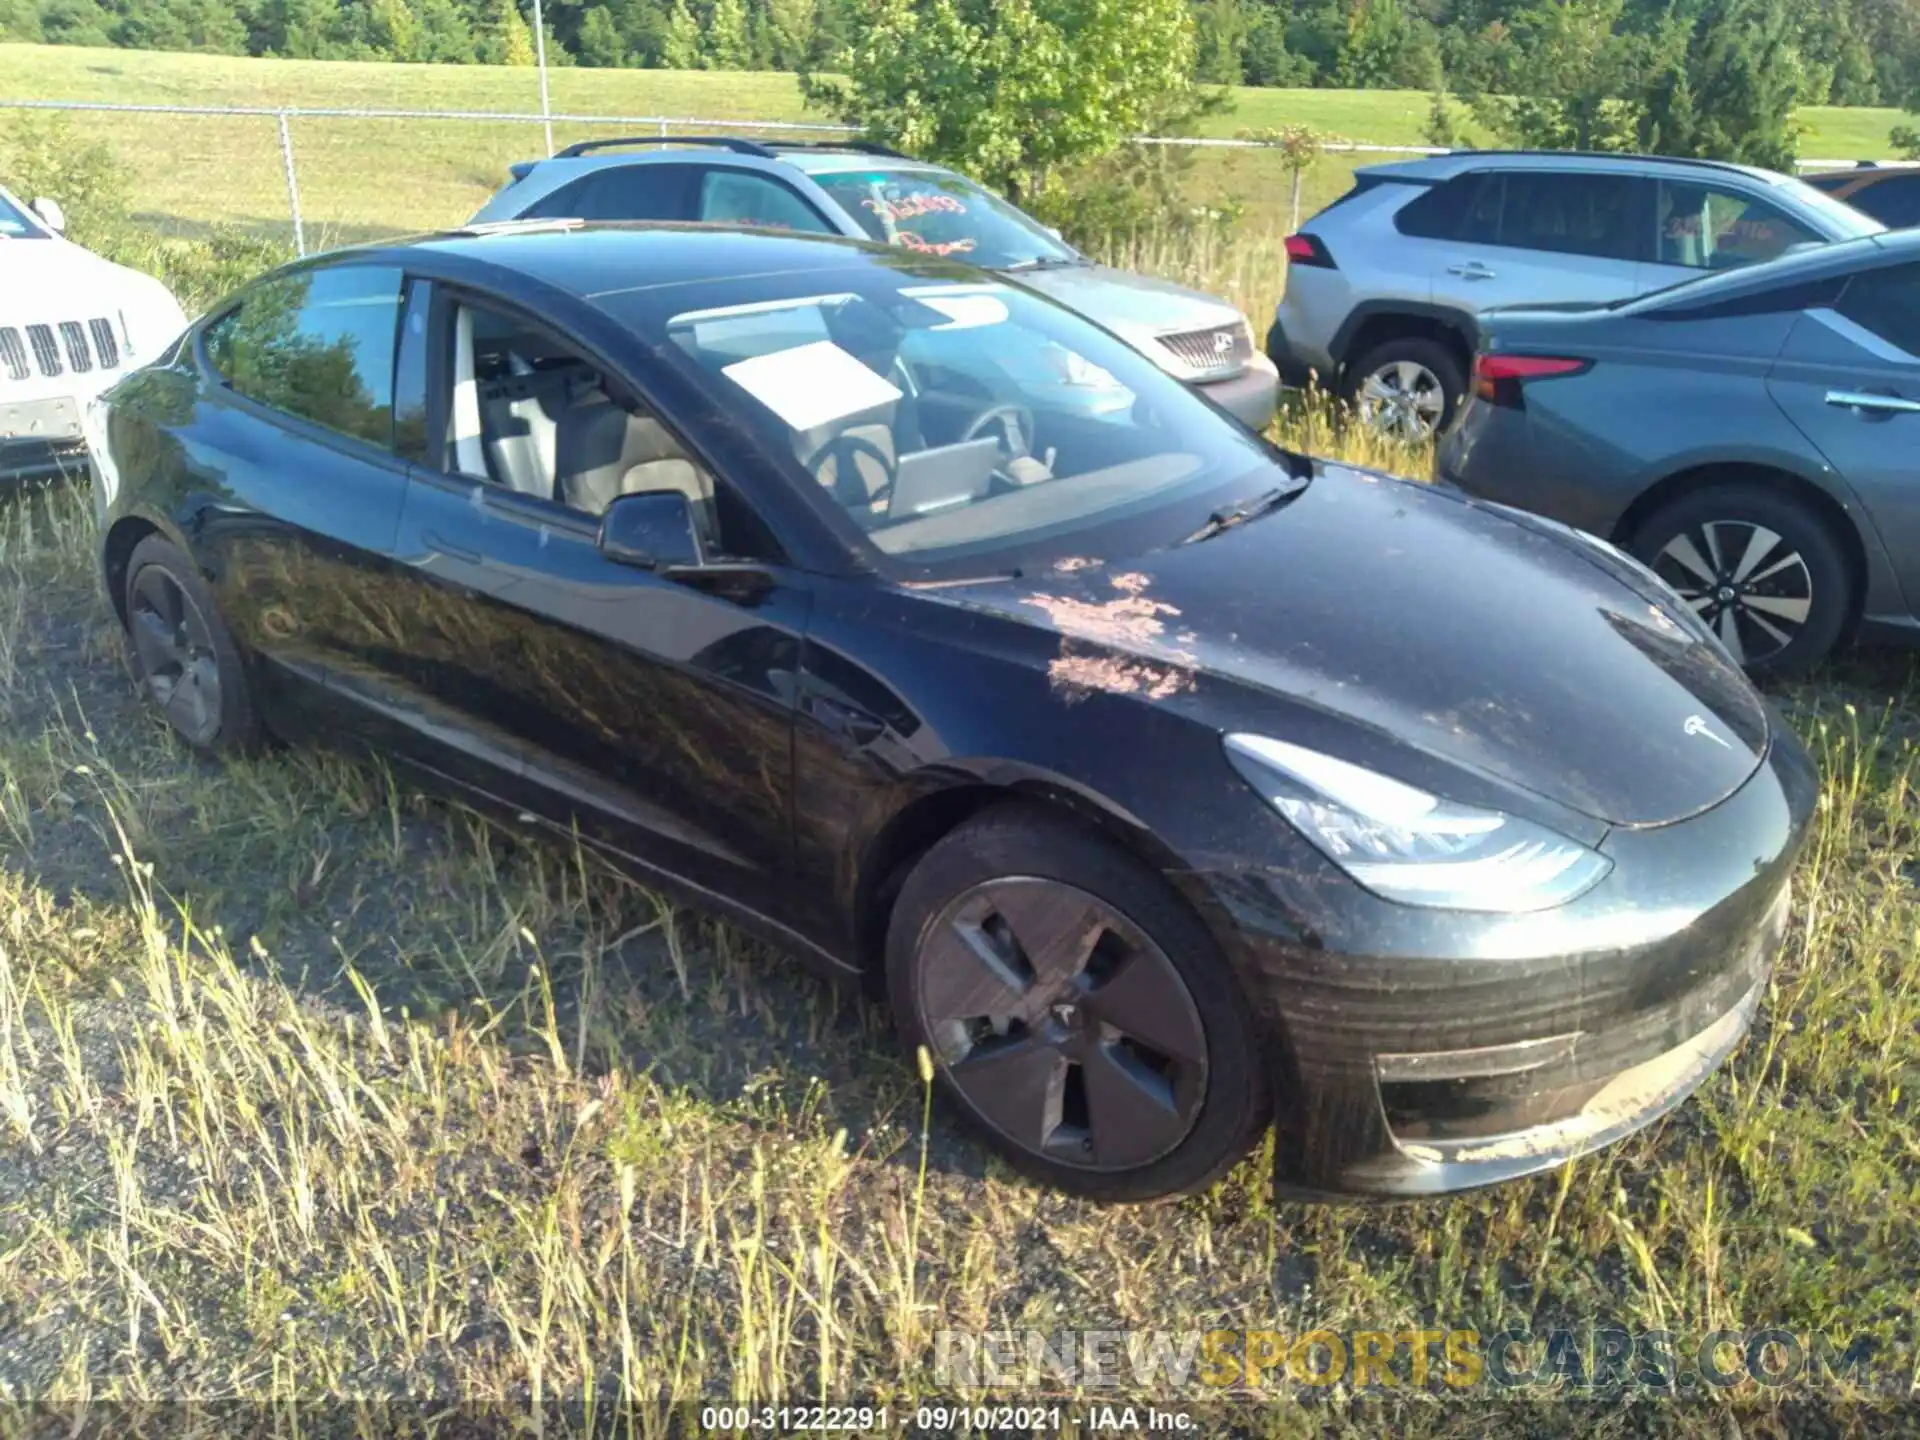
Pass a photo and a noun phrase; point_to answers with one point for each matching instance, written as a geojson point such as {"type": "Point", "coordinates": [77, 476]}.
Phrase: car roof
{"type": "Point", "coordinates": [1838, 257]}
{"type": "Point", "coordinates": [1456, 162]}
{"type": "Point", "coordinates": [594, 260]}
{"type": "Point", "coordinates": [810, 157]}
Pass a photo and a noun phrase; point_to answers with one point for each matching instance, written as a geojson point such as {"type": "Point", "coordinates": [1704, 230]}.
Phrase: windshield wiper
{"type": "Point", "coordinates": [1229, 516]}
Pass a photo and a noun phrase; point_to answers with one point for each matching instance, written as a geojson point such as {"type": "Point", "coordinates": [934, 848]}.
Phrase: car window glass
{"type": "Point", "coordinates": [948, 420]}
{"type": "Point", "coordinates": [622, 192]}
{"type": "Point", "coordinates": [1436, 212]}
{"type": "Point", "coordinates": [1570, 213]}
{"type": "Point", "coordinates": [740, 197]}
{"type": "Point", "coordinates": [317, 344]}
{"type": "Point", "coordinates": [1710, 227]}
{"type": "Point", "coordinates": [531, 415]}
{"type": "Point", "coordinates": [1892, 202]}
{"type": "Point", "coordinates": [938, 213]}
{"type": "Point", "coordinates": [1887, 302]}
{"type": "Point", "coordinates": [1481, 223]}
{"type": "Point", "coordinates": [410, 376]}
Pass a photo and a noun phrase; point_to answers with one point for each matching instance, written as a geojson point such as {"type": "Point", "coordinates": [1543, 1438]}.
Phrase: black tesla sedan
{"type": "Point", "coordinates": [1165, 782]}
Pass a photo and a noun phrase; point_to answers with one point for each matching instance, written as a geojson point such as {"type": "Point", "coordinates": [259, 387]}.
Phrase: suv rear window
{"type": "Point", "coordinates": [622, 192]}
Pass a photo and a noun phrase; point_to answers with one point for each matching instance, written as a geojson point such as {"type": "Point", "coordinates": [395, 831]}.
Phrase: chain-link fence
{"type": "Point", "coordinates": [365, 205]}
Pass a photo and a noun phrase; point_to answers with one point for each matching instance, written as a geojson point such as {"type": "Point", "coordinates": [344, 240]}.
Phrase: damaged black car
{"type": "Point", "coordinates": [1167, 785]}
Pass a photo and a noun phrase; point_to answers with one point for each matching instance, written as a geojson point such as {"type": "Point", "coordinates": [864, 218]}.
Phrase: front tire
{"type": "Point", "coordinates": [1080, 1017]}
{"type": "Point", "coordinates": [1763, 570]}
{"type": "Point", "coordinates": [182, 654]}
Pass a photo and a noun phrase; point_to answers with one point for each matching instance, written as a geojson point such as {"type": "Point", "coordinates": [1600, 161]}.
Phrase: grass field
{"type": "Point", "coordinates": [311, 1086]}
{"type": "Point", "coordinates": [365, 177]}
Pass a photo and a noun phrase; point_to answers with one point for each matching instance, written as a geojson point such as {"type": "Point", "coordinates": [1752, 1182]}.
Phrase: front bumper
{"type": "Point", "coordinates": [1422, 1052]}
{"type": "Point", "coordinates": [1250, 397]}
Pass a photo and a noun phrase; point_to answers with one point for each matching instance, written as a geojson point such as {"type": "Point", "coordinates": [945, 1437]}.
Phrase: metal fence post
{"type": "Point", "coordinates": [540, 45]}
{"type": "Point", "coordinates": [293, 185]}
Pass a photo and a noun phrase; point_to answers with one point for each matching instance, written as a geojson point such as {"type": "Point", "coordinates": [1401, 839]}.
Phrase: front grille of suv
{"type": "Point", "coordinates": [1221, 350]}
{"type": "Point", "coordinates": [79, 346]}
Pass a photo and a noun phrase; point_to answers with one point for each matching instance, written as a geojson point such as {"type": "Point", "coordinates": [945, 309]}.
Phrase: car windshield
{"type": "Point", "coordinates": [956, 425]}
{"type": "Point", "coordinates": [939, 213]}
{"type": "Point", "coordinates": [16, 223]}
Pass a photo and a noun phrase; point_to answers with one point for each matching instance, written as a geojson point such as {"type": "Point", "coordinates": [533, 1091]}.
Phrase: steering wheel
{"type": "Point", "coordinates": [848, 485]}
{"type": "Point", "coordinates": [1016, 428]}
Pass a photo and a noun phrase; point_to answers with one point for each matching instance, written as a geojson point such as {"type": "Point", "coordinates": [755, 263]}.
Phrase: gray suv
{"type": "Point", "coordinates": [1383, 285]}
{"type": "Point", "coordinates": [870, 193]}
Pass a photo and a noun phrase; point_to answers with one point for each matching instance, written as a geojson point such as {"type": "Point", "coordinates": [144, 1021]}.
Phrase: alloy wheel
{"type": "Point", "coordinates": [1404, 399]}
{"type": "Point", "coordinates": [175, 649]}
{"type": "Point", "coordinates": [1750, 585]}
{"type": "Point", "coordinates": [1062, 1024]}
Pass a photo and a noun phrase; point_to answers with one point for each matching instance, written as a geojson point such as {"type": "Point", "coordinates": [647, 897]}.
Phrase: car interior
{"type": "Point", "coordinates": [944, 433]}
{"type": "Point", "coordinates": [533, 417]}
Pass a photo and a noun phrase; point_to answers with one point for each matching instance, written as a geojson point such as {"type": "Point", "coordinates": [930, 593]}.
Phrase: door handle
{"type": "Point", "coordinates": [1868, 400]}
{"type": "Point", "coordinates": [1471, 270]}
{"type": "Point", "coordinates": [453, 552]}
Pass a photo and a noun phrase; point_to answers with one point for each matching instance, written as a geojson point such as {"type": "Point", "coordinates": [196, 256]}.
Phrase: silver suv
{"type": "Point", "coordinates": [871, 193]}
{"type": "Point", "coordinates": [1383, 284]}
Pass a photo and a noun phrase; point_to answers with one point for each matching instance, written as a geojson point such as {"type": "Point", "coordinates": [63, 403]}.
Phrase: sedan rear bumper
{"type": "Point", "coordinates": [1424, 1052]}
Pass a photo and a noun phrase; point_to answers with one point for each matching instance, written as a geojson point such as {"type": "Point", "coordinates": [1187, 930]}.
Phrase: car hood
{"type": "Point", "coordinates": [50, 280]}
{"type": "Point", "coordinates": [1135, 306]}
{"type": "Point", "coordinates": [1437, 622]}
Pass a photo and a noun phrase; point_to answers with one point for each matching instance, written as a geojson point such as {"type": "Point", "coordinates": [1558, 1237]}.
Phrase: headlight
{"type": "Point", "coordinates": [1406, 845]}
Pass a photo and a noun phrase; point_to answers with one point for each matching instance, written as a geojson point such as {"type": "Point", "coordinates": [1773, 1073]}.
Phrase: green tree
{"type": "Point", "coordinates": [790, 25]}
{"type": "Point", "coordinates": [1008, 90]}
{"type": "Point", "coordinates": [600, 45]}
{"type": "Point", "coordinates": [1268, 61]}
{"type": "Point", "coordinates": [1723, 85]}
{"type": "Point", "coordinates": [726, 46]}
{"type": "Point", "coordinates": [1221, 29]}
{"type": "Point", "coordinates": [515, 39]}
{"type": "Point", "coordinates": [680, 47]}
{"type": "Point", "coordinates": [1570, 69]}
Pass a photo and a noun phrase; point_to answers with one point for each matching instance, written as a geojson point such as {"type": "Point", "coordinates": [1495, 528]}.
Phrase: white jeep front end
{"type": "Point", "coordinates": [71, 324]}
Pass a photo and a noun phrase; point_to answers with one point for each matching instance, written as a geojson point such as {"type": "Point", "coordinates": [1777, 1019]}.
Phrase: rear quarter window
{"type": "Point", "coordinates": [1440, 212]}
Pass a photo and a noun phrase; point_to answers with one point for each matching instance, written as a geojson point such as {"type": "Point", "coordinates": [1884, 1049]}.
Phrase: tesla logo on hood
{"type": "Point", "coordinates": [1697, 725]}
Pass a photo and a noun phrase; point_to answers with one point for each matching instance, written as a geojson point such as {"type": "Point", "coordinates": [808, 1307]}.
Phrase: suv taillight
{"type": "Point", "coordinates": [1304, 249]}
{"type": "Point", "coordinates": [1497, 378]}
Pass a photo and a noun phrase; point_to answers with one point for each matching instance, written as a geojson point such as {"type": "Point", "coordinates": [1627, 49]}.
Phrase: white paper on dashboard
{"type": "Point", "coordinates": [811, 385]}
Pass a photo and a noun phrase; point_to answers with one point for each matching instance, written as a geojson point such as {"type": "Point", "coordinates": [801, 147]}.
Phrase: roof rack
{"type": "Point", "coordinates": [1600, 155]}
{"type": "Point", "coordinates": [858, 147]}
{"type": "Point", "coordinates": [719, 142]}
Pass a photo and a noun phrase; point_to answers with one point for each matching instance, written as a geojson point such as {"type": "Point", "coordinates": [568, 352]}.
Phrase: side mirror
{"type": "Point", "coordinates": [51, 215]}
{"type": "Point", "coordinates": [652, 530]}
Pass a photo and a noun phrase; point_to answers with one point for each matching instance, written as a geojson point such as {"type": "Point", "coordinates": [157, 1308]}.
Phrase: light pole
{"type": "Point", "coordinates": [540, 57]}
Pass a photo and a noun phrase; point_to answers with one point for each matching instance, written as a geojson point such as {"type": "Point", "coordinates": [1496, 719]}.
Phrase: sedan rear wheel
{"type": "Point", "coordinates": [1761, 569]}
{"type": "Point", "coordinates": [1076, 1012]}
{"type": "Point", "coordinates": [183, 656]}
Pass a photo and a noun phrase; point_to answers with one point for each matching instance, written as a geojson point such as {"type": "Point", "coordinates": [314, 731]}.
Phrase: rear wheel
{"type": "Point", "coordinates": [1408, 389]}
{"type": "Point", "coordinates": [1079, 1016]}
{"type": "Point", "coordinates": [1764, 571]}
{"type": "Point", "coordinates": [183, 655]}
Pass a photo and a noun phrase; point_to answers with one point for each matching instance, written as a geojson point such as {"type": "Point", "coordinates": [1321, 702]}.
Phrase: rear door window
{"type": "Point", "coordinates": [1571, 213]}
